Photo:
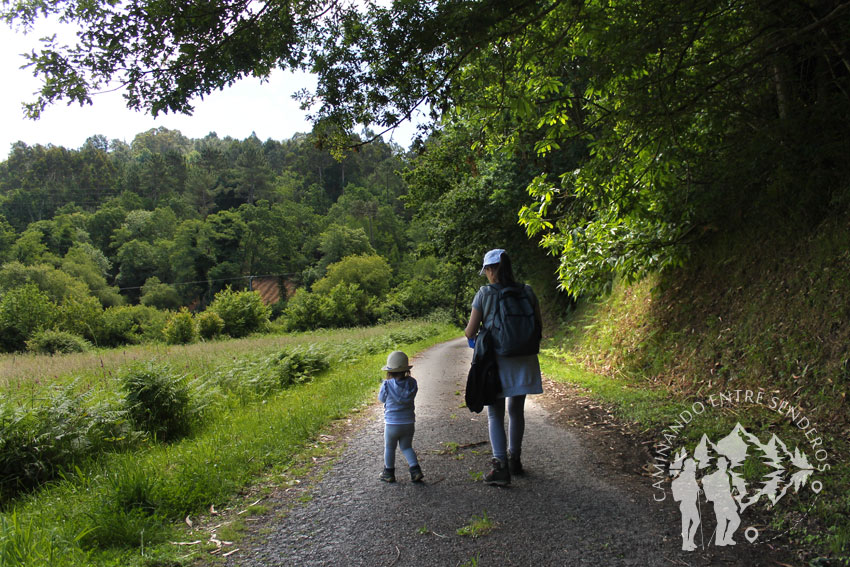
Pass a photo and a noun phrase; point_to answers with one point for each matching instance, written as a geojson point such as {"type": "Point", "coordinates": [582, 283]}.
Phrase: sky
{"type": "Point", "coordinates": [248, 106]}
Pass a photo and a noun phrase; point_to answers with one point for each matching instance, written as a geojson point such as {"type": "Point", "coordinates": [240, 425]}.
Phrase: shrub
{"type": "Point", "coordinates": [157, 401]}
{"type": "Point", "coordinates": [414, 298]}
{"type": "Point", "coordinates": [83, 317]}
{"type": "Point", "coordinates": [119, 327]}
{"type": "Point", "coordinates": [297, 366]}
{"type": "Point", "coordinates": [346, 305]}
{"type": "Point", "coordinates": [243, 312]}
{"type": "Point", "coordinates": [130, 324]}
{"type": "Point", "coordinates": [180, 328]}
{"type": "Point", "coordinates": [210, 324]}
{"type": "Point", "coordinates": [39, 442]}
{"type": "Point", "coordinates": [302, 311]}
{"type": "Point", "coordinates": [52, 342]}
{"type": "Point", "coordinates": [151, 322]}
{"type": "Point", "coordinates": [23, 312]}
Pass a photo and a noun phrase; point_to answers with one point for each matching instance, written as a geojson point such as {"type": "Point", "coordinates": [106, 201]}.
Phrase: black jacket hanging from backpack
{"type": "Point", "coordinates": [482, 384]}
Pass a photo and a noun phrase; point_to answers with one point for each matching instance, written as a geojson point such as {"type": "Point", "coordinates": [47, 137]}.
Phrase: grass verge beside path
{"type": "Point", "coordinates": [817, 525]}
{"type": "Point", "coordinates": [125, 508]}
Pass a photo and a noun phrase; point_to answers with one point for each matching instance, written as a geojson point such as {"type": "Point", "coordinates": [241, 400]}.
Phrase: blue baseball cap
{"type": "Point", "coordinates": [490, 258]}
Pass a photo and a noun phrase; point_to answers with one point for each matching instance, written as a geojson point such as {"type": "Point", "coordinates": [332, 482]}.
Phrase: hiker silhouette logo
{"type": "Point", "coordinates": [714, 482]}
{"type": "Point", "coordinates": [722, 483]}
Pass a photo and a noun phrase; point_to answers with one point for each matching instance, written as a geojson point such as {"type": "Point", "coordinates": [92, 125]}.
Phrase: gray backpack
{"type": "Point", "coordinates": [513, 323]}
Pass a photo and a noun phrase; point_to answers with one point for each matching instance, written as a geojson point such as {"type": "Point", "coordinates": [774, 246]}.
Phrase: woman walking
{"type": "Point", "coordinates": [519, 374]}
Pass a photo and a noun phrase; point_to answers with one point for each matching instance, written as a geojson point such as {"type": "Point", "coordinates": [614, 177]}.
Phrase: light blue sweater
{"type": "Point", "coordinates": [397, 397]}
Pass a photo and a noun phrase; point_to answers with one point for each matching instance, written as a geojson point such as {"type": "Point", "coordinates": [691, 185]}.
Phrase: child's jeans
{"type": "Point", "coordinates": [496, 421]}
{"type": "Point", "coordinates": [402, 435]}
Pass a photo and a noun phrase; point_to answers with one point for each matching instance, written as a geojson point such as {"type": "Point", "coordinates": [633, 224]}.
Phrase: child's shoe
{"type": "Point", "coordinates": [388, 475]}
{"type": "Point", "coordinates": [416, 474]}
{"type": "Point", "coordinates": [515, 466]}
{"type": "Point", "coordinates": [500, 475]}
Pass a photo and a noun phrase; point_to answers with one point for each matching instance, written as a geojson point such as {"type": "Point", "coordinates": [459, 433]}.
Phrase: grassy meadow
{"type": "Point", "coordinates": [107, 487]}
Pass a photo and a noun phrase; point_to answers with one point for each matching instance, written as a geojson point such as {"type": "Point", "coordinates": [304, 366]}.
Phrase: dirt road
{"type": "Point", "coordinates": [573, 507]}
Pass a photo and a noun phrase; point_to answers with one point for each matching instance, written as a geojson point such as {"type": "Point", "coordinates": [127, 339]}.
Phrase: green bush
{"type": "Point", "coordinates": [302, 311]}
{"type": "Point", "coordinates": [23, 312]}
{"type": "Point", "coordinates": [119, 327]}
{"type": "Point", "coordinates": [151, 322]}
{"type": "Point", "coordinates": [83, 317]}
{"type": "Point", "coordinates": [131, 324]}
{"type": "Point", "coordinates": [180, 329]}
{"type": "Point", "coordinates": [345, 305]}
{"type": "Point", "coordinates": [243, 312]}
{"type": "Point", "coordinates": [210, 324]}
{"type": "Point", "coordinates": [298, 365]}
{"type": "Point", "coordinates": [414, 298]}
{"type": "Point", "coordinates": [51, 341]}
{"type": "Point", "coordinates": [38, 442]}
{"type": "Point", "coordinates": [157, 401]}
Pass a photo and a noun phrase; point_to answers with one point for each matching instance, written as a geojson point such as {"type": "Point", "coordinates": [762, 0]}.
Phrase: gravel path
{"type": "Point", "coordinates": [571, 508]}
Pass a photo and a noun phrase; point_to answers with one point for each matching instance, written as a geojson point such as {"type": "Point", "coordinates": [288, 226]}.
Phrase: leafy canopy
{"type": "Point", "coordinates": [658, 124]}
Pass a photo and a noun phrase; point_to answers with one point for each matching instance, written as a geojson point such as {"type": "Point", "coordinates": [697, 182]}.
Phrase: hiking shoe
{"type": "Point", "coordinates": [388, 475]}
{"type": "Point", "coordinates": [515, 466]}
{"type": "Point", "coordinates": [416, 474]}
{"type": "Point", "coordinates": [500, 475]}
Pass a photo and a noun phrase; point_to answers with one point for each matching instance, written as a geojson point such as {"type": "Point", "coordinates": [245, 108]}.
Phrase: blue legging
{"type": "Point", "coordinates": [496, 421]}
{"type": "Point", "coordinates": [401, 435]}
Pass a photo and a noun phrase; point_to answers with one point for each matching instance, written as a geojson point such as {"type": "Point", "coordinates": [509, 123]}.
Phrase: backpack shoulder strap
{"type": "Point", "coordinates": [489, 304]}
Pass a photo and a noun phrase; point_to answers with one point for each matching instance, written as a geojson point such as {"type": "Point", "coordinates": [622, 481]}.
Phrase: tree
{"type": "Point", "coordinates": [30, 249]}
{"type": "Point", "coordinates": [102, 224]}
{"type": "Point", "coordinates": [159, 295]}
{"type": "Point", "coordinates": [339, 241]}
{"type": "Point", "coordinates": [372, 274]}
{"type": "Point", "coordinates": [138, 260]}
{"type": "Point", "coordinates": [254, 175]}
{"type": "Point", "coordinates": [7, 238]}
{"type": "Point", "coordinates": [226, 235]}
{"type": "Point", "coordinates": [274, 236]}
{"type": "Point", "coordinates": [88, 264]}
{"type": "Point", "coordinates": [243, 312]}
{"type": "Point", "coordinates": [178, 51]}
{"type": "Point", "coordinates": [54, 283]}
{"type": "Point", "coordinates": [191, 258]}
{"type": "Point", "coordinates": [23, 312]}
{"type": "Point", "coordinates": [673, 121]}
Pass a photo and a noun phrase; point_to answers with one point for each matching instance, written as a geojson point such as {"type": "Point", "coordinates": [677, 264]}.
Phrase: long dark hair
{"type": "Point", "coordinates": [504, 271]}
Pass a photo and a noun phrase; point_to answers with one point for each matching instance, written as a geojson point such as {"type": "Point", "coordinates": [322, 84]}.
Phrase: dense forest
{"type": "Point", "coordinates": [103, 241]}
{"type": "Point", "coordinates": [115, 234]}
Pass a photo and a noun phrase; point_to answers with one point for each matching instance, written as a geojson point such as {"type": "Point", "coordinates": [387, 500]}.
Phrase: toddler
{"type": "Point", "coordinates": [397, 393]}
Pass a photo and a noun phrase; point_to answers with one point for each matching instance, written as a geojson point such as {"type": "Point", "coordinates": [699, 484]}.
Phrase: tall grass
{"type": "Point", "coordinates": [122, 507]}
{"type": "Point", "coordinates": [30, 370]}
